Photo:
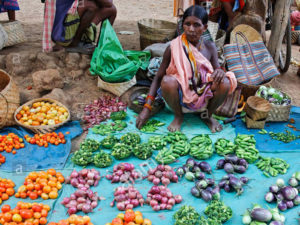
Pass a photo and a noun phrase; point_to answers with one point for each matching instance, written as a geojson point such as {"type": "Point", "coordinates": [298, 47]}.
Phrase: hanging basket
{"type": "Point", "coordinates": [9, 99]}
{"type": "Point", "coordinates": [15, 32]}
{"type": "Point", "coordinates": [44, 128]}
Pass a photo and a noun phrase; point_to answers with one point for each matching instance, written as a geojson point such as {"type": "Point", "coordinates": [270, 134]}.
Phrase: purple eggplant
{"type": "Point", "coordinates": [206, 195]}
{"type": "Point", "coordinates": [222, 183]}
{"type": "Point", "coordinates": [274, 189]}
{"type": "Point", "coordinates": [279, 197]}
{"type": "Point", "coordinates": [244, 180]}
{"type": "Point", "coordinates": [201, 184]}
{"type": "Point", "coordinates": [231, 158]}
{"type": "Point", "coordinates": [293, 182]}
{"type": "Point", "coordinates": [235, 183]}
{"type": "Point", "coordinates": [220, 164]}
{"type": "Point", "coordinates": [185, 168]}
{"type": "Point", "coordinates": [216, 193]}
{"type": "Point", "coordinates": [289, 193]}
{"type": "Point", "coordinates": [296, 200]}
{"type": "Point", "coordinates": [190, 163]}
{"type": "Point", "coordinates": [261, 215]}
{"type": "Point", "coordinates": [227, 188]}
{"type": "Point", "coordinates": [195, 192]}
{"type": "Point", "coordinates": [228, 168]}
{"type": "Point", "coordinates": [289, 204]}
{"type": "Point", "coordinates": [209, 189]}
{"type": "Point", "coordinates": [205, 167]}
{"type": "Point", "coordinates": [269, 197]}
{"type": "Point", "coordinates": [196, 169]}
{"type": "Point", "coordinates": [199, 175]}
{"type": "Point", "coordinates": [276, 223]}
{"type": "Point", "coordinates": [225, 177]}
{"type": "Point", "coordinates": [239, 169]}
{"type": "Point", "coordinates": [282, 206]}
{"type": "Point", "coordinates": [210, 182]}
{"type": "Point", "coordinates": [243, 162]}
{"type": "Point", "coordinates": [180, 172]}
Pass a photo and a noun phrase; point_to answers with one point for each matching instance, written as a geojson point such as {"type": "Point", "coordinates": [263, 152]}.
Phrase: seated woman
{"type": "Point", "coordinates": [190, 76]}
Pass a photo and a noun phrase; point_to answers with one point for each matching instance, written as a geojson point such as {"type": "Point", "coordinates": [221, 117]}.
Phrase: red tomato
{"type": "Point", "coordinates": [26, 213]}
{"type": "Point", "coordinates": [5, 208]}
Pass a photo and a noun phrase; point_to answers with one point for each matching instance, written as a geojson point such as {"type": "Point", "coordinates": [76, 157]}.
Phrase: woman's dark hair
{"type": "Point", "coordinates": [196, 11]}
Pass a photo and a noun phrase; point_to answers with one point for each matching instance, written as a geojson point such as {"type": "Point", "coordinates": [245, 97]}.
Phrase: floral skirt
{"type": "Point", "coordinates": [9, 5]}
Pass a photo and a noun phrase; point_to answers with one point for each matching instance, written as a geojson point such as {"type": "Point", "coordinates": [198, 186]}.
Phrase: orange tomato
{"type": "Point", "coordinates": [147, 222]}
{"type": "Point", "coordinates": [26, 213]}
{"type": "Point", "coordinates": [33, 195]}
{"type": "Point", "coordinates": [5, 208]}
{"type": "Point", "coordinates": [138, 219]}
{"type": "Point", "coordinates": [53, 194]}
{"type": "Point", "coordinates": [43, 220]}
{"type": "Point", "coordinates": [117, 221]}
{"type": "Point", "coordinates": [129, 216]}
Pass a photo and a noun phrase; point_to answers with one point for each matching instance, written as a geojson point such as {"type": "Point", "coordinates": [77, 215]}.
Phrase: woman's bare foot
{"type": "Point", "coordinates": [176, 124]}
{"type": "Point", "coordinates": [57, 48]}
{"type": "Point", "coordinates": [213, 124]}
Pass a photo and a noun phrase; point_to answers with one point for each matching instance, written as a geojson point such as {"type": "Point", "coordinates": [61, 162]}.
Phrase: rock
{"type": "Point", "coordinates": [158, 49]}
{"type": "Point", "coordinates": [59, 95]}
{"type": "Point", "coordinates": [85, 62]}
{"type": "Point", "coordinates": [46, 80]}
{"type": "Point", "coordinates": [27, 95]}
{"type": "Point", "coordinates": [75, 74]}
{"type": "Point", "coordinates": [72, 61]}
{"type": "Point", "coordinates": [18, 63]}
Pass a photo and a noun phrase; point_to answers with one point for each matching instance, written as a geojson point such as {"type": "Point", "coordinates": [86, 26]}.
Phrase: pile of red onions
{"type": "Point", "coordinates": [124, 173]}
{"type": "Point", "coordinates": [160, 198]}
{"type": "Point", "coordinates": [127, 198]}
{"type": "Point", "coordinates": [164, 174]}
{"type": "Point", "coordinates": [101, 109]}
{"type": "Point", "coordinates": [84, 178]}
{"type": "Point", "coordinates": [83, 199]}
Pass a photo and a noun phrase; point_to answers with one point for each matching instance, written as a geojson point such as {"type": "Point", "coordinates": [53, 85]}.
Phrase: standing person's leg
{"type": "Point", "coordinates": [11, 15]}
{"type": "Point", "coordinates": [169, 87]}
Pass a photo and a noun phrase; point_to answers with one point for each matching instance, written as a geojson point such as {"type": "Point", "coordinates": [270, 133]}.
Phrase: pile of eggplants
{"type": "Point", "coordinates": [286, 196]}
{"type": "Point", "coordinates": [193, 170]}
{"type": "Point", "coordinates": [206, 189]}
{"type": "Point", "coordinates": [232, 183]}
{"type": "Point", "coordinates": [232, 164]}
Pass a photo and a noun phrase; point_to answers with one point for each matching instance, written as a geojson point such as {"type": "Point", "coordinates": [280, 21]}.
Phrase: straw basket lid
{"type": "Point", "coordinates": [251, 34]}
{"type": "Point", "coordinates": [257, 108]}
{"type": "Point", "coordinates": [46, 128]}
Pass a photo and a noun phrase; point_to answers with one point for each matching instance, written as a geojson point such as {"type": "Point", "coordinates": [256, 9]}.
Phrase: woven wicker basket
{"type": "Point", "coordinates": [155, 31]}
{"type": "Point", "coordinates": [15, 32]}
{"type": "Point", "coordinates": [257, 108]}
{"type": "Point", "coordinates": [250, 123]}
{"type": "Point", "coordinates": [116, 88]}
{"type": "Point", "coordinates": [42, 129]}
{"type": "Point", "coordinates": [295, 36]}
{"type": "Point", "coordinates": [9, 99]}
{"type": "Point", "coordinates": [3, 37]}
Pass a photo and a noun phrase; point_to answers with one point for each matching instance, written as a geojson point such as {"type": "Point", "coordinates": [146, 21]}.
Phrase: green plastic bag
{"type": "Point", "coordinates": [111, 63]}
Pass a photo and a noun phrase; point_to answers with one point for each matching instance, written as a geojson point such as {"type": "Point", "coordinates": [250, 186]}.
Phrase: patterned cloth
{"type": "Point", "coordinates": [183, 68]}
{"type": "Point", "coordinates": [9, 5]}
{"type": "Point", "coordinates": [49, 17]}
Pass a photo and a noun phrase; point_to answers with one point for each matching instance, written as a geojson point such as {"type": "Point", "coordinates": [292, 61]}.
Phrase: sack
{"type": "Point", "coordinates": [251, 62]}
{"type": "Point", "coordinates": [230, 105]}
{"type": "Point", "coordinates": [111, 63]}
{"type": "Point", "coordinates": [3, 37]}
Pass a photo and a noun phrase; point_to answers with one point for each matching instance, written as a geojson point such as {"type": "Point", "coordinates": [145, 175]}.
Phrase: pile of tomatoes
{"type": "Point", "coordinates": [6, 189]}
{"type": "Point", "coordinates": [10, 142]}
{"type": "Point", "coordinates": [24, 214]}
{"type": "Point", "coordinates": [42, 113]}
{"type": "Point", "coordinates": [2, 159]}
{"type": "Point", "coordinates": [74, 220]}
{"type": "Point", "coordinates": [130, 218]}
{"type": "Point", "coordinates": [46, 139]}
{"type": "Point", "coordinates": [41, 184]}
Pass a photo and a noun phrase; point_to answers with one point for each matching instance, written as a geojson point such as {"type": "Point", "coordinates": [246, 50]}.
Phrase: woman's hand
{"type": "Point", "coordinates": [218, 76]}
{"type": "Point", "coordinates": [142, 118]}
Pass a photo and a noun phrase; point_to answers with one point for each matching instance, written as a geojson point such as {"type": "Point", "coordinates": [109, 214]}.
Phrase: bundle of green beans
{"type": "Point", "coordinates": [224, 147]}
{"type": "Point", "coordinates": [121, 151]}
{"type": "Point", "coordinates": [166, 156]}
{"type": "Point", "coordinates": [272, 166]}
{"type": "Point", "coordinates": [108, 128]}
{"type": "Point", "coordinates": [157, 142]}
{"type": "Point", "coordinates": [173, 137]}
{"type": "Point", "coordinates": [245, 147]}
{"type": "Point", "coordinates": [285, 137]}
{"type": "Point", "coordinates": [109, 142]}
{"type": "Point", "coordinates": [102, 160]}
{"type": "Point", "coordinates": [151, 126]}
{"type": "Point", "coordinates": [201, 147]}
{"type": "Point", "coordinates": [217, 210]}
{"type": "Point", "coordinates": [131, 139]}
{"type": "Point", "coordinates": [181, 148]}
{"type": "Point", "coordinates": [142, 151]}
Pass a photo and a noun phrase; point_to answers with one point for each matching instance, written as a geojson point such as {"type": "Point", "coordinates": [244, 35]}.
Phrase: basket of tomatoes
{"type": "Point", "coordinates": [41, 184]}
{"type": "Point", "coordinates": [42, 115]}
{"type": "Point", "coordinates": [130, 218]}
{"type": "Point", "coordinates": [74, 220]}
{"type": "Point", "coordinates": [25, 213]}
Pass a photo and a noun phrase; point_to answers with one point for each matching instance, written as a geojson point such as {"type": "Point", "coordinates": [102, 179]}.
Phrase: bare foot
{"type": "Point", "coordinates": [176, 124]}
{"type": "Point", "coordinates": [213, 124]}
{"type": "Point", "coordinates": [57, 47]}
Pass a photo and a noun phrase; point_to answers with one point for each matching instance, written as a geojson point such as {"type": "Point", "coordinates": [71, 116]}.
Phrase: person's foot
{"type": "Point", "coordinates": [83, 48]}
{"type": "Point", "coordinates": [213, 124]}
{"type": "Point", "coordinates": [57, 47]}
{"type": "Point", "coordinates": [176, 124]}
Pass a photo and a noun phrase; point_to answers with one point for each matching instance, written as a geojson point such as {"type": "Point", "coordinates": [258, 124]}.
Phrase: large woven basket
{"type": "Point", "coordinates": [42, 129]}
{"type": "Point", "coordinates": [15, 32]}
{"type": "Point", "coordinates": [257, 108]}
{"type": "Point", "coordinates": [116, 88]}
{"type": "Point", "coordinates": [9, 99]}
{"type": "Point", "coordinates": [250, 123]}
{"type": "Point", "coordinates": [155, 31]}
{"type": "Point", "coordinates": [3, 37]}
{"type": "Point", "coordinates": [295, 36]}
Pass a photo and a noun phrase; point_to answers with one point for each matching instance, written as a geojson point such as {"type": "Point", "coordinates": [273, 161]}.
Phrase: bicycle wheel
{"type": "Point", "coordinates": [286, 50]}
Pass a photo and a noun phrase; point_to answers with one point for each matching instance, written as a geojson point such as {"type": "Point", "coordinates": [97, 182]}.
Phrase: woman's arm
{"type": "Point", "coordinates": [218, 73]}
{"type": "Point", "coordinates": [145, 114]}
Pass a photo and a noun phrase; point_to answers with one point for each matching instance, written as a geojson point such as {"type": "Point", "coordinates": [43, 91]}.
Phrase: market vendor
{"type": "Point", "coordinates": [74, 25]}
{"type": "Point", "coordinates": [190, 77]}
